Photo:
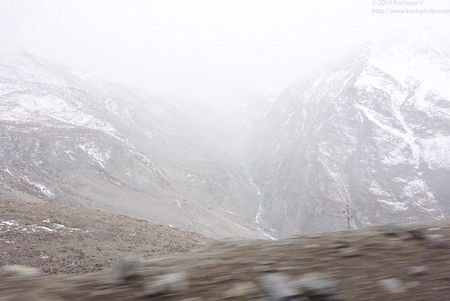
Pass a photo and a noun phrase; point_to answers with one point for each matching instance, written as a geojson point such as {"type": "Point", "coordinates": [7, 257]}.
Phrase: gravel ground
{"type": "Point", "coordinates": [407, 262]}
{"type": "Point", "coordinates": [57, 238]}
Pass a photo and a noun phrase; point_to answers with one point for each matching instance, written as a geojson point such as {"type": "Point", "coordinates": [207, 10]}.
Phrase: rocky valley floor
{"type": "Point", "coordinates": [408, 262]}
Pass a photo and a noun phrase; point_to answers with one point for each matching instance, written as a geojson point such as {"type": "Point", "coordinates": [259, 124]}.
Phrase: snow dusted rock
{"type": "Point", "coordinates": [434, 240]}
{"type": "Point", "coordinates": [417, 270]}
{"type": "Point", "coordinates": [277, 287]}
{"type": "Point", "coordinates": [349, 252]}
{"type": "Point", "coordinates": [18, 272]}
{"type": "Point", "coordinates": [166, 284]}
{"type": "Point", "coordinates": [392, 285]}
{"type": "Point", "coordinates": [318, 285]}
{"type": "Point", "coordinates": [359, 142]}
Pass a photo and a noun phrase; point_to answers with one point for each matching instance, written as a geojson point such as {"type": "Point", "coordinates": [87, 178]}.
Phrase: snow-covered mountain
{"type": "Point", "coordinates": [362, 141]}
{"type": "Point", "coordinates": [359, 142]}
{"type": "Point", "coordinates": [70, 137]}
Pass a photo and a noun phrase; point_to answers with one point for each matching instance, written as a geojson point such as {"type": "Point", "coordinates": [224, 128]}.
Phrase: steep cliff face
{"type": "Point", "coordinates": [364, 141]}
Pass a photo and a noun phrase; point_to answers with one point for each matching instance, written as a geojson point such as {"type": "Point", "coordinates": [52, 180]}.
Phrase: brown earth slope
{"type": "Point", "coordinates": [386, 263]}
{"type": "Point", "coordinates": [57, 238]}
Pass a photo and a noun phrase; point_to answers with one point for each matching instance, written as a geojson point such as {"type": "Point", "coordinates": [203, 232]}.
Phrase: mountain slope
{"type": "Point", "coordinates": [363, 141]}
{"type": "Point", "coordinates": [77, 139]}
{"type": "Point", "coordinates": [57, 238]}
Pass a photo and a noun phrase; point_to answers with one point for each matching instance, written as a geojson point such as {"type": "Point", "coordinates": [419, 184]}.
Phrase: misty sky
{"type": "Point", "coordinates": [199, 49]}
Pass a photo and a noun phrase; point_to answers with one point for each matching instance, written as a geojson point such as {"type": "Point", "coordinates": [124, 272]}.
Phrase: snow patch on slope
{"type": "Point", "coordinates": [19, 67]}
{"type": "Point", "coordinates": [95, 153]}
{"type": "Point", "coordinates": [376, 189]}
{"type": "Point", "coordinates": [419, 193]}
{"type": "Point", "coordinates": [407, 137]}
{"type": "Point", "coordinates": [45, 108]}
{"type": "Point", "coordinates": [39, 187]}
{"type": "Point", "coordinates": [12, 225]}
{"type": "Point", "coordinates": [395, 206]}
{"type": "Point", "coordinates": [436, 151]}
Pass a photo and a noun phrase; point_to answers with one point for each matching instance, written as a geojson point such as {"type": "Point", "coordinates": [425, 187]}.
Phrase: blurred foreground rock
{"type": "Point", "coordinates": [385, 263]}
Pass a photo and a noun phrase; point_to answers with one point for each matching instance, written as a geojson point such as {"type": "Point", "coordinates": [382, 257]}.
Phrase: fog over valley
{"type": "Point", "coordinates": [224, 150]}
{"type": "Point", "coordinates": [232, 119]}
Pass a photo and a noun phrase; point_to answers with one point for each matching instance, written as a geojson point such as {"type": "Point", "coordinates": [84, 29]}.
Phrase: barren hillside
{"type": "Point", "coordinates": [56, 238]}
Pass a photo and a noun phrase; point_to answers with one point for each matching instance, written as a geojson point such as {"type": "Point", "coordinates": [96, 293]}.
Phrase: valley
{"type": "Point", "coordinates": [361, 141]}
{"type": "Point", "coordinates": [224, 150]}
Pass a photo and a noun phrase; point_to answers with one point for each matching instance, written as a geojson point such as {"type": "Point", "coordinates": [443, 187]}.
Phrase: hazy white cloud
{"type": "Point", "coordinates": [199, 48]}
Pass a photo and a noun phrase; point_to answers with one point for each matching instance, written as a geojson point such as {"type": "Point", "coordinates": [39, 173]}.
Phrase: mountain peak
{"type": "Point", "coordinates": [370, 133]}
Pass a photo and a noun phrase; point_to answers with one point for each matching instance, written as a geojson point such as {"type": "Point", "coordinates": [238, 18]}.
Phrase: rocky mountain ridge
{"type": "Point", "coordinates": [362, 141]}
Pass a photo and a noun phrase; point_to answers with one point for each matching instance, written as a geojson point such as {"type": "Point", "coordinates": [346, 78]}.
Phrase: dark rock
{"type": "Point", "coordinates": [339, 244]}
{"type": "Point", "coordinates": [416, 233]}
{"type": "Point", "coordinates": [391, 230]}
{"type": "Point", "coordinates": [128, 267]}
